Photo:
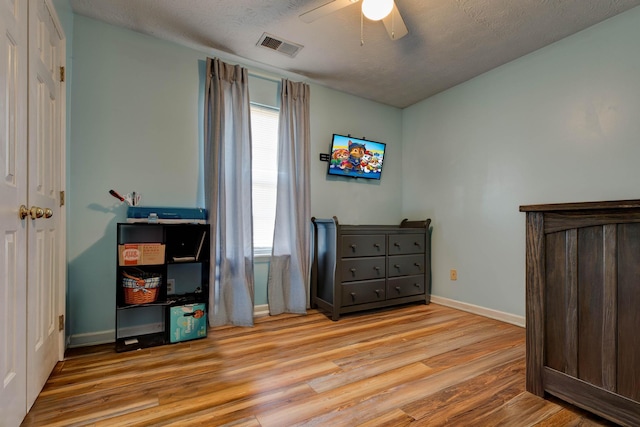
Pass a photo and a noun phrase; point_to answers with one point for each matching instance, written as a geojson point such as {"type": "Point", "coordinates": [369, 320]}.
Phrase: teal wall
{"type": "Point", "coordinates": [136, 108]}
{"type": "Point", "coordinates": [558, 125]}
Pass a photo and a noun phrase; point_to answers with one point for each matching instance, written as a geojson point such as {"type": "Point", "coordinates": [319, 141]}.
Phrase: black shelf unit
{"type": "Point", "coordinates": [186, 261]}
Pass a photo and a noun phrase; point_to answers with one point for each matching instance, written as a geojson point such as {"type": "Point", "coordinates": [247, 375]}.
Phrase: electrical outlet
{"type": "Point", "coordinates": [453, 274]}
{"type": "Point", "coordinates": [171, 286]}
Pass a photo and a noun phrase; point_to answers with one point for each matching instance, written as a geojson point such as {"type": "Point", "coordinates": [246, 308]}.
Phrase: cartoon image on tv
{"type": "Point", "coordinates": [339, 157]}
{"type": "Point", "coordinates": [356, 157]}
{"type": "Point", "coordinates": [356, 152]}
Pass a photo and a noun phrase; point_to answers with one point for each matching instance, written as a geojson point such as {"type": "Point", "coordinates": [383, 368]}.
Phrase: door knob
{"type": "Point", "coordinates": [23, 212]}
{"type": "Point", "coordinates": [48, 213]}
{"type": "Point", "coordinates": [36, 212]}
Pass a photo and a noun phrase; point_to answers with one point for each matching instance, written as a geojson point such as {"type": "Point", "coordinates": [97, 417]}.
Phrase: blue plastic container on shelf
{"type": "Point", "coordinates": [166, 215]}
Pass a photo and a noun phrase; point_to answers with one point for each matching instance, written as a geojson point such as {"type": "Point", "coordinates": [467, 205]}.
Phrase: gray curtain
{"type": "Point", "coordinates": [290, 257]}
{"type": "Point", "coordinates": [227, 150]}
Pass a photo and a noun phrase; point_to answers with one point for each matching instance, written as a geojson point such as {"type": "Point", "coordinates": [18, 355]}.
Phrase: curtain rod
{"type": "Point", "coordinates": [275, 76]}
{"type": "Point", "coordinates": [265, 76]}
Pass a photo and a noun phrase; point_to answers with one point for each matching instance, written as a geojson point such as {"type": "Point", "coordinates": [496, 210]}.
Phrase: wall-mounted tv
{"type": "Point", "coordinates": [356, 158]}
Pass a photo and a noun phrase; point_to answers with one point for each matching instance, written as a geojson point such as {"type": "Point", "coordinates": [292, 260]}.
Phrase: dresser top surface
{"type": "Point", "coordinates": [582, 206]}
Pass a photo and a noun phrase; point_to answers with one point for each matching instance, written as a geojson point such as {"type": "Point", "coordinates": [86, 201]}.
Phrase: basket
{"type": "Point", "coordinates": [140, 287]}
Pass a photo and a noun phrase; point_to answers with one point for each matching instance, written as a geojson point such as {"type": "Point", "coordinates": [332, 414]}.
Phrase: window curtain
{"type": "Point", "coordinates": [290, 258]}
{"type": "Point", "coordinates": [227, 150]}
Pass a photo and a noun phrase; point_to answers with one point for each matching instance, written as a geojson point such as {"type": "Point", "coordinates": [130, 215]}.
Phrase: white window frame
{"type": "Point", "coordinates": [262, 174]}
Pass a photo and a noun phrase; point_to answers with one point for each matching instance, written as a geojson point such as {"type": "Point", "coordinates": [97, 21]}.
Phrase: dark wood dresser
{"type": "Point", "coordinates": [362, 267]}
{"type": "Point", "coordinates": [583, 305]}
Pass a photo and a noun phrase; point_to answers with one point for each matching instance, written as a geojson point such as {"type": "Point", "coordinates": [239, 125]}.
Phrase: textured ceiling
{"type": "Point", "coordinates": [449, 41]}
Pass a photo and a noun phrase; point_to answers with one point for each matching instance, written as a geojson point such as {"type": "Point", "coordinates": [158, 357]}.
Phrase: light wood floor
{"type": "Point", "coordinates": [418, 365]}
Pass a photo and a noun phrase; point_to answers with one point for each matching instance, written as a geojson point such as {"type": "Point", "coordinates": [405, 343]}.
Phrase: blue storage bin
{"type": "Point", "coordinates": [166, 215]}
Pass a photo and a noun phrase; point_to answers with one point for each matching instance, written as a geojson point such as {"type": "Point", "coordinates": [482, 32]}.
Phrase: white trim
{"type": "Point", "coordinates": [261, 310]}
{"type": "Point", "coordinates": [108, 336]}
{"type": "Point", "coordinates": [262, 258]}
{"type": "Point", "coordinates": [92, 338]}
{"type": "Point", "coordinates": [61, 285]}
{"type": "Point", "coordinates": [482, 311]}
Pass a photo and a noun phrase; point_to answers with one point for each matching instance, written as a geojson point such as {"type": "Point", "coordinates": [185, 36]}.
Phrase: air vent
{"type": "Point", "coordinates": [272, 42]}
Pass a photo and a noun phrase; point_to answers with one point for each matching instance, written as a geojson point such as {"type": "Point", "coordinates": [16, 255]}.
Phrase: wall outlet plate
{"type": "Point", "coordinates": [171, 286]}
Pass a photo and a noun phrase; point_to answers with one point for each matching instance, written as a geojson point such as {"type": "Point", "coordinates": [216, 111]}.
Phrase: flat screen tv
{"type": "Point", "coordinates": [356, 158]}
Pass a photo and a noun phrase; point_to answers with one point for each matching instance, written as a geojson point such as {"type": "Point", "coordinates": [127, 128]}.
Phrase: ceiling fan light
{"type": "Point", "coordinates": [375, 10]}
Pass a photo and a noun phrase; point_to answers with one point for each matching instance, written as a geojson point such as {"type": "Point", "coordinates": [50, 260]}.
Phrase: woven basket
{"type": "Point", "coordinates": [140, 287]}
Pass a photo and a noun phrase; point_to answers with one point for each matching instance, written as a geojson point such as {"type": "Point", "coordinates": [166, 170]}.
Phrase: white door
{"type": "Point", "coordinates": [13, 193]}
{"type": "Point", "coordinates": [46, 233]}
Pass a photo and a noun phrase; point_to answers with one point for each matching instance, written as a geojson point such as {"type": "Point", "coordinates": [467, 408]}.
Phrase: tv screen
{"type": "Point", "coordinates": [356, 158]}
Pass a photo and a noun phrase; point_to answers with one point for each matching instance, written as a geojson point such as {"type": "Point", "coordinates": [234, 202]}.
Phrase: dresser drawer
{"type": "Point", "coordinates": [363, 292]}
{"type": "Point", "coordinates": [405, 286]}
{"type": "Point", "coordinates": [359, 246]}
{"type": "Point", "coordinates": [406, 265]}
{"type": "Point", "coordinates": [400, 244]}
{"type": "Point", "coordinates": [352, 269]}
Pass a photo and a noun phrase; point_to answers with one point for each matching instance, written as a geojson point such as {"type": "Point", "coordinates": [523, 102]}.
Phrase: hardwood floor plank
{"type": "Point", "coordinates": [573, 417]}
{"type": "Point", "coordinates": [411, 390]}
{"type": "Point", "coordinates": [386, 358]}
{"type": "Point", "coordinates": [408, 366]}
{"type": "Point", "coordinates": [394, 418]}
{"type": "Point", "coordinates": [64, 417]}
{"type": "Point", "coordinates": [340, 398]}
{"type": "Point", "coordinates": [243, 408]}
{"type": "Point", "coordinates": [526, 409]}
{"type": "Point", "coordinates": [480, 394]}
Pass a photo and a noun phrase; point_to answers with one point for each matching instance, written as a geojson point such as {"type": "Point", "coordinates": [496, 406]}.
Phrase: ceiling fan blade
{"type": "Point", "coordinates": [325, 9]}
{"type": "Point", "coordinates": [395, 24]}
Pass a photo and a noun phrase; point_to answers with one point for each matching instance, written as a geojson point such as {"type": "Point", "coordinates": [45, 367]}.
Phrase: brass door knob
{"type": "Point", "coordinates": [23, 212]}
{"type": "Point", "coordinates": [48, 213]}
{"type": "Point", "coordinates": [36, 212]}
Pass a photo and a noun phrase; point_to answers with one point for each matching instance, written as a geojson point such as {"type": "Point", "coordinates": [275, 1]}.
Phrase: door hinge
{"type": "Point", "coordinates": [61, 74]}
{"type": "Point", "coordinates": [62, 198]}
{"type": "Point", "coordinates": [61, 322]}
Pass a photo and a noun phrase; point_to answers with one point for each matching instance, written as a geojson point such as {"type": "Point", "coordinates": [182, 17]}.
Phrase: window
{"type": "Point", "coordinates": [264, 139]}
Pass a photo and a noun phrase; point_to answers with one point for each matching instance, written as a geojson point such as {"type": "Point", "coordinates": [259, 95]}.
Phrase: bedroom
{"type": "Point", "coordinates": [557, 125]}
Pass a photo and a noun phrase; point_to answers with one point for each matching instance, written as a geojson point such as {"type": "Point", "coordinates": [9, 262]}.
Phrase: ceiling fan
{"type": "Point", "coordinates": [385, 10]}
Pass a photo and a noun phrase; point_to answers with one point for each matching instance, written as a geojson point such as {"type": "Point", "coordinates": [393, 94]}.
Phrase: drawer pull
{"type": "Point", "coordinates": [417, 285]}
{"type": "Point", "coordinates": [376, 245]}
{"type": "Point", "coordinates": [396, 244]}
{"type": "Point", "coordinates": [377, 292]}
{"type": "Point", "coordinates": [416, 264]}
{"type": "Point", "coordinates": [376, 268]}
{"type": "Point", "coordinates": [352, 270]}
{"type": "Point", "coordinates": [397, 266]}
{"type": "Point", "coordinates": [417, 244]}
{"type": "Point", "coordinates": [353, 295]}
{"type": "Point", "coordinates": [398, 289]}
{"type": "Point", "coordinates": [354, 246]}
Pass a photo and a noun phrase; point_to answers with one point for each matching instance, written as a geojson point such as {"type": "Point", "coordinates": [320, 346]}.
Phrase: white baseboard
{"type": "Point", "coordinates": [261, 310]}
{"type": "Point", "coordinates": [482, 311]}
{"type": "Point", "coordinates": [105, 337]}
{"type": "Point", "coordinates": [108, 336]}
{"type": "Point", "coordinates": [92, 338]}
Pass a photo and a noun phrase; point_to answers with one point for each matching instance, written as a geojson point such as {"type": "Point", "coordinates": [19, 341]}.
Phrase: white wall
{"type": "Point", "coordinates": [559, 125]}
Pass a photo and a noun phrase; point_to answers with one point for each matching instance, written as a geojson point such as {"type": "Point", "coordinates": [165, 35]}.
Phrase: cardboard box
{"type": "Point", "coordinates": [187, 322]}
{"type": "Point", "coordinates": [141, 254]}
